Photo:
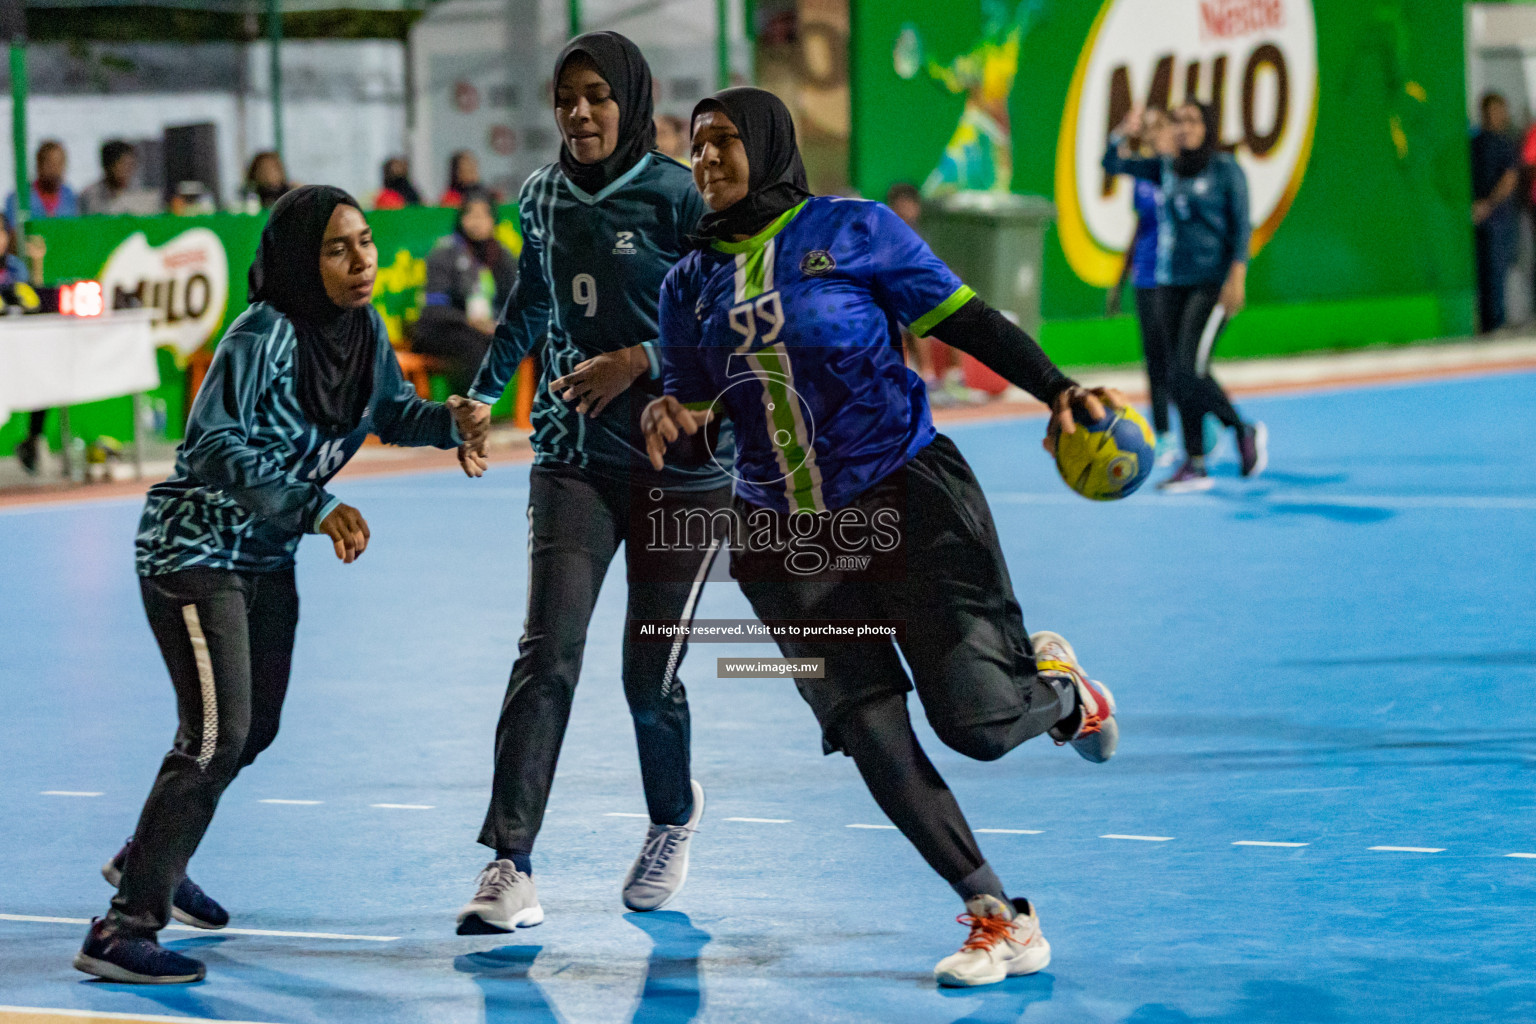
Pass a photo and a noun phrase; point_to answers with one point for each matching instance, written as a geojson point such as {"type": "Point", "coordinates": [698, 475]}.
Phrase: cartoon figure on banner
{"type": "Point", "coordinates": [979, 156]}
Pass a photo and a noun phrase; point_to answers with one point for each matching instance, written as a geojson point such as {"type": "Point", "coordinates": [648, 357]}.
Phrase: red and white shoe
{"type": "Point", "coordinates": [1098, 734]}
{"type": "Point", "coordinates": [1004, 941]}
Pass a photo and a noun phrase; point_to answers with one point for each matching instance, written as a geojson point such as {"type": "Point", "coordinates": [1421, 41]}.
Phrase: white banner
{"type": "Point", "coordinates": [185, 283]}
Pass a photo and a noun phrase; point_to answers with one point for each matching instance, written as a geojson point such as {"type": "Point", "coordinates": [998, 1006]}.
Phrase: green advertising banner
{"type": "Point", "coordinates": [1348, 118]}
{"type": "Point", "coordinates": [192, 272]}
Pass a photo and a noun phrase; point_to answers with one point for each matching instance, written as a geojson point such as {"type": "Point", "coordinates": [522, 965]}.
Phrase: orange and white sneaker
{"type": "Point", "coordinates": [1005, 940]}
{"type": "Point", "coordinates": [1098, 734]}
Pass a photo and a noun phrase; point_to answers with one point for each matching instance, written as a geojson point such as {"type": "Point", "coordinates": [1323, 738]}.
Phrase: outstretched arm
{"type": "Point", "coordinates": [991, 337]}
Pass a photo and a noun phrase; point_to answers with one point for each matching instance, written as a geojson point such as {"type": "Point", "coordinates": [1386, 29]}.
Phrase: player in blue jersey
{"type": "Point", "coordinates": [850, 507]}
{"type": "Point", "coordinates": [298, 382]}
{"type": "Point", "coordinates": [601, 228]}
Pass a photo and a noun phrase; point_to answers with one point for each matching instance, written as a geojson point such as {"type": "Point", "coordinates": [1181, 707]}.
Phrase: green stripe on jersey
{"type": "Point", "coordinates": [935, 316]}
{"type": "Point", "coordinates": [757, 241]}
{"type": "Point", "coordinates": [789, 432]}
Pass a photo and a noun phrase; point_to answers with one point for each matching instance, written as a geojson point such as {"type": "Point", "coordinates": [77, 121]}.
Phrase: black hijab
{"type": "Point", "coordinates": [775, 178]}
{"type": "Point", "coordinates": [621, 64]}
{"type": "Point", "coordinates": [1191, 162]}
{"type": "Point", "coordinates": [401, 185]}
{"type": "Point", "coordinates": [335, 349]}
{"type": "Point", "coordinates": [488, 252]}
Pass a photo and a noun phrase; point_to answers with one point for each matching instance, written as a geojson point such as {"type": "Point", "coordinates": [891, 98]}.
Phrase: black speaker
{"type": "Point", "coordinates": [13, 20]}
{"type": "Point", "coordinates": [192, 154]}
{"type": "Point", "coordinates": [151, 154]}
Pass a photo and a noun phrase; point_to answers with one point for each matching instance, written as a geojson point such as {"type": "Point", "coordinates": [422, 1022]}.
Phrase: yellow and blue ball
{"type": "Point", "coordinates": [1109, 459]}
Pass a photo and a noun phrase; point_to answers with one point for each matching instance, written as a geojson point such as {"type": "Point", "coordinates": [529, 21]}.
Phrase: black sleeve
{"type": "Point", "coordinates": [985, 333]}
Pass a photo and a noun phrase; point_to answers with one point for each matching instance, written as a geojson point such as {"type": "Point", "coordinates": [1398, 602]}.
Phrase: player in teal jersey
{"type": "Point", "coordinates": [297, 384]}
{"type": "Point", "coordinates": [601, 227]}
{"type": "Point", "coordinates": [850, 507]}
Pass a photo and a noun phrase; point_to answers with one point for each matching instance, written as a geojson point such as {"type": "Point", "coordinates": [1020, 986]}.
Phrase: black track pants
{"type": "Point", "coordinates": [971, 659]}
{"type": "Point", "coordinates": [227, 639]}
{"type": "Point", "coordinates": [577, 520]}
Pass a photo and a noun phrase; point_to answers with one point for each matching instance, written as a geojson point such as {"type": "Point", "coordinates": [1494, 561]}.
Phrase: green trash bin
{"type": "Point", "coordinates": [995, 241]}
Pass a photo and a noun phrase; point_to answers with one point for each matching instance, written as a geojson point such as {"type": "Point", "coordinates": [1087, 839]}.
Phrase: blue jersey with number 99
{"type": "Point", "coordinates": [794, 334]}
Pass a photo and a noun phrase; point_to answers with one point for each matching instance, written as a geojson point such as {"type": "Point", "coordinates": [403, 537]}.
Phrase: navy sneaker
{"type": "Point", "coordinates": [1253, 446]}
{"type": "Point", "coordinates": [135, 959]}
{"type": "Point", "coordinates": [1189, 478]}
{"type": "Point", "coordinates": [190, 905]}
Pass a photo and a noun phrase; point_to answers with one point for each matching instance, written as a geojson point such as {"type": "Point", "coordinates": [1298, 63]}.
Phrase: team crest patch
{"type": "Point", "coordinates": [817, 262]}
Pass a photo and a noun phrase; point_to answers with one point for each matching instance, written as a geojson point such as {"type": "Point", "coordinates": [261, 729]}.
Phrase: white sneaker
{"type": "Point", "coordinates": [1098, 732]}
{"type": "Point", "coordinates": [661, 869]}
{"type": "Point", "coordinates": [1004, 941]}
{"type": "Point", "coordinates": [505, 900]}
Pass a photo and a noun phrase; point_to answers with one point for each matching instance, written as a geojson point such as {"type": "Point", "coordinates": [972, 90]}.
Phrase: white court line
{"type": "Point", "coordinates": [294, 803]}
{"type": "Point", "coordinates": [1526, 856]}
{"type": "Point", "coordinates": [28, 1012]}
{"type": "Point", "coordinates": [764, 821]}
{"type": "Point", "coordinates": [871, 826]}
{"type": "Point", "coordinates": [1261, 842]}
{"type": "Point", "coordinates": [67, 792]}
{"type": "Point", "coordinates": [1474, 502]}
{"type": "Point", "coordinates": [625, 814]}
{"type": "Point", "coordinates": [1144, 839]}
{"type": "Point", "coordinates": [32, 919]}
{"type": "Point", "coordinates": [1010, 831]}
{"type": "Point", "coordinates": [403, 807]}
{"type": "Point", "coordinates": [1409, 849]}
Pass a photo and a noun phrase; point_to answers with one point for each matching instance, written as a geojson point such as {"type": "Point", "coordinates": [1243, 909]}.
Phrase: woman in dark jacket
{"type": "Point", "coordinates": [469, 276]}
{"type": "Point", "coordinates": [1202, 266]}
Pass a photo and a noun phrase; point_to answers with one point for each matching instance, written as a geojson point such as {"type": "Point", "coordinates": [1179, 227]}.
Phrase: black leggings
{"type": "Point", "coordinates": [971, 659]}
{"type": "Point", "coordinates": [576, 521]}
{"type": "Point", "coordinates": [227, 639]}
{"type": "Point", "coordinates": [1184, 311]}
{"type": "Point", "coordinates": [1158, 355]}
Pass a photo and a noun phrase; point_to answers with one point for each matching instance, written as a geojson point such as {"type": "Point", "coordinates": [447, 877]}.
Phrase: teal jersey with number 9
{"type": "Point", "coordinates": [588, 280]}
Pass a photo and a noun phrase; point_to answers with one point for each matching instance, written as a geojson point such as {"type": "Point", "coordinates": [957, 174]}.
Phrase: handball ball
{"type": "Point", "coordinates": [1109, 459]}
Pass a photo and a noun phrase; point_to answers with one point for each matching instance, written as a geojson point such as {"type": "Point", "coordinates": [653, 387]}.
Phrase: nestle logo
{"type": "Point", "coordinates": [1223, 19]}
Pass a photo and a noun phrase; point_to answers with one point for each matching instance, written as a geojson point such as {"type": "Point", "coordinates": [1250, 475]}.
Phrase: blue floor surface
{"type": "Point", "coordinates": [1340, 654]}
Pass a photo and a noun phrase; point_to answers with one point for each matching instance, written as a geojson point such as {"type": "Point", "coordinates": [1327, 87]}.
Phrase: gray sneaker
{"type": "Point", "coordinates": [1098, 731]}
{"type": "Point", "coordinates": [505, 900]}
{"type": "Point", "coordinates": [659, 872]}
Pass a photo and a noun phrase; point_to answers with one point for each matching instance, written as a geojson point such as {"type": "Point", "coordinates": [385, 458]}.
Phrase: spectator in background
{"type": "Point", "coordinates": [463, 177]}
{"type": "Point", "coordinates": [50, 196]}
{"type": "Point", "coordinates": [266, 181]}
{"type": "Point", "coordinates": [13, 271]}
{"type": "Point", "coordinates": [672, 138]}
{"type": "Point", "coordinates": [937, 363]}
{"type": "Point", "coordinates": [398, 192]}
{"type": "Point", "coordinates": [1204, 229]}
{"type": "Point", "coordinates": [1157, 139]}
{"type": "Point", "coordinates": [115, 192]}
{"type": "Point", "coordinates": [1494, 179]}
{"type": "Point", "coordinates": [469, 276]}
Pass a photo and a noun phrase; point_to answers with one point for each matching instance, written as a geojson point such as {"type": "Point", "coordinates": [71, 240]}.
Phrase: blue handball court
{"type": "Point", "coordinates": [1322, 809]}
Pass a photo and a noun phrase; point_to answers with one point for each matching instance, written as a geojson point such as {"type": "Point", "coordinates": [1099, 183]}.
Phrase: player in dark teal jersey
{"type": "Point", "coordinates": [296, 385]}
{"type": "Point", "coordinates": [601, 228]}
{"type": "Point", "coordinates": [851, 509]}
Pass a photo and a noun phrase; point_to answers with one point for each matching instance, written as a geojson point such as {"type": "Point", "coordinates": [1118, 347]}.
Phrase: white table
{"type": "Point", "coordinates": [49, 361]}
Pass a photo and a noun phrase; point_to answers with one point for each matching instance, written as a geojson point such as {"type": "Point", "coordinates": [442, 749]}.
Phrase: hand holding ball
{"type": "Point", "coordinates": [1108, 458]}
